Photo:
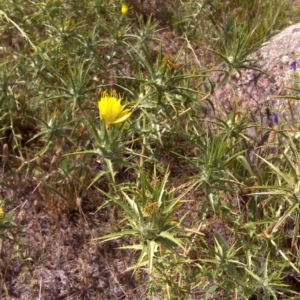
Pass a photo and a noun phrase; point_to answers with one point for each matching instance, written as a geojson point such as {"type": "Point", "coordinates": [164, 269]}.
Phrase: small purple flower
{"type": "Point", "coordinates": [293, 65]}
{"type": "Point", "coordinates": [275, 119]}
{"type": "Point", "coordinates": [164, 159]}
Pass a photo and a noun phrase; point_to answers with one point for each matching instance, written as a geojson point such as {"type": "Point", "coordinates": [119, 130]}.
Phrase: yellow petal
{"type": "Point", "coordinates": [123, 117]}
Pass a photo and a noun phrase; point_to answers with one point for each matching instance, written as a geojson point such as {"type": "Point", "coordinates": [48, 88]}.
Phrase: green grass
{"type": "Point", "coordinates": [198, 210]}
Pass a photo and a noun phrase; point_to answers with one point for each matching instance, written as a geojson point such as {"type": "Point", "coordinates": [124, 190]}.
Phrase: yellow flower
{"type": "Point", "coordinates": [170, 62]}
{"type": "Point", "coordinates": [151, 208]}
{"type": "Point", "coordinates": [173, 223]}
{"type": "Point", "coordinates": [110, 109]}
{"type": "Point", "coordinates": [124, 9]}
{"type": "Point", "coordinates": [69, 23]}
{"type": "Point", "coordinates": [1, 213]}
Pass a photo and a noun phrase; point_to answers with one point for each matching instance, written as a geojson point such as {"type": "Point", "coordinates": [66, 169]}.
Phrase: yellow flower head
{"type": "Point", "coordinates": [170, 63]}
{"type": "Point", "coordinates": [151, 208]}
{"type": "Point", "coordinates": [173, 223]}
{"type": "Point", "coordinates": [110, 109]}
{"type": "Point", "coordinates": [124, 9]}
{"type": "Point", "coordinates": [1, 213]}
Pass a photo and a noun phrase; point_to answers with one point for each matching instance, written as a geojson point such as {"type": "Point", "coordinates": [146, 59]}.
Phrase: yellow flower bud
{"type": "Point", "coordinates": [124, 9]}
{"type": "Point", "coordinates": [173, 223]}
{"type": "Point", "coordinates": [1, 213]}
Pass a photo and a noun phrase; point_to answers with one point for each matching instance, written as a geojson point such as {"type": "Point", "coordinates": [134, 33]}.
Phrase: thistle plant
{"type": "Point", "coordinates": [7, 225]}
{"type": "Point", "coordinates": [109, 135]}
{"type": "Point", "coordinates": [149, 216]}
{"type": "Point", "coordinates": [196, 206]}
{"type": "Point", "coordinates": [112, 115]}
